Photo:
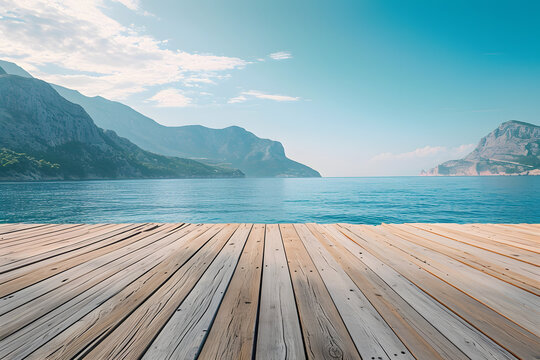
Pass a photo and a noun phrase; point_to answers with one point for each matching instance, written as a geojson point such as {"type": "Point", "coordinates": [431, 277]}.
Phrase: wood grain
{"type": "Point", "coordinates": [244, 291]}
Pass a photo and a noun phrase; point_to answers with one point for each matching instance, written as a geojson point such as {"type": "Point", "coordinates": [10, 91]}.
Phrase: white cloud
{"type": "Point", "coordinates": [76, 44]}
{"type": "Point", "coordinates": [245, 95]}
{"type": "Point", "coordinates": [412, 162]}
{"type": "Point", "coordinates": [130, 4]}
{"type": "Point", "coordinates": [281, 55]}
{"type": "Point", "coordinates": [171, 98]}
{"type": "Point", "coordinates": [237, 99]}
{"type": "Point", "coordinates": [427, 152]}
{"type": "Point", "coordinates": [195, 81]}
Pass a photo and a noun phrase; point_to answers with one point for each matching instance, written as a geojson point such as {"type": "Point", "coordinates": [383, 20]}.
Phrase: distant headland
{"type": "Point", "coordinates": [511, 149]}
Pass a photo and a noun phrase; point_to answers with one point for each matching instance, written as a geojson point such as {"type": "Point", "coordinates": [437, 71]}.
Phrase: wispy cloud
{"type": "Point", "coordinates": [246, 95]}
{"type": "Point", "coordinates": [425, 151]}
{"type": "Point", "coordinates": [274, 97]}
{"type": "Point", "coordinates": [237, 99]}
{"type": "Point", "coordinates": [171, 98]}
{"type": "Point", "coordinates": [130, 4]}
{"type": "Point", "coordinates": [421, 158]}
{"type": "Point", "coordinates": [94, 53]}
{"type": "Point", "coordinates": [281, 55]}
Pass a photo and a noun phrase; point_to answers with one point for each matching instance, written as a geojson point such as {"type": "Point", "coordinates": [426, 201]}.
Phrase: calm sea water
{"type": "Point", "coordinates": [326, 200]}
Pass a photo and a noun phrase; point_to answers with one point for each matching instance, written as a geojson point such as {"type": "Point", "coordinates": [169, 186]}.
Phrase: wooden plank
{"type": "Point", "coordinates": [41, 255]}
{"type": "Point", "coordinates": [68, 232]}
{"type": "Point", "coordinates": [512, 302]}
{"type": "Point", "coordinates": [372, 335]}
{"type": "Point", "coordinates": [233, 332]}
{"type": "Point", "coordinates": [20, 278]}
{"type": "Point", "coordinates": [530, 229]}
{"type": "Point", "coordinates": [521, 232]}
{"type": "Point", "coordinates": [61, 239]}
{"type": "Point", "coordinates": [99, 323]}
{"type": "Point", "coordinates": [501, 236]}
{"type": "Point", "coordinates": [84, 274]}
{"type": "Point", "coordinates": [42, 232]}
{"type": "Point", "coordinates": [502, 249]}
{"type": "Point", "coordinates": [23, 233]}
{"type": "Point", "coordinates": [279, 335]}
{"type": "Point", "coordinates": [502, 331]}
{"type": "Point", "coordinates": [66, 285]}
{"type": "Point", "coordinates": [136, 332]}
{"type": "Point", "coordinates": [325, 334]}
{"type": "Point", "coordinates": [423, 340]}
{"type": "Point", "coordinates": [517, 273]}
{"type": "Point", "coordinates": [186, 330]}
{"type": "Point", "coordinates": [111, 291]}
{"type": "Point", "coordinates": [389, 267]}
{"type": "Point", "coordinates": [11, 228]}
{"type": "Point", "coordinates": [29, 338]}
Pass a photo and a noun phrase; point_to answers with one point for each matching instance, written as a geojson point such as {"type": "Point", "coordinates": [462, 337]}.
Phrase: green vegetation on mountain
{"type": "Point", "coordinates": [46, 137]}
{"type": "Point", "coordinates": [232, 146]}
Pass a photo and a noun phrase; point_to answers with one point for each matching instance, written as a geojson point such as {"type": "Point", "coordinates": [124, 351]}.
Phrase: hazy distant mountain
{"type": "Point", "coordinates": [232, 146]}
{"type": "Point", "coordinates": [44, 136]}
{"type": "Point", "coordinates": [511, 149]}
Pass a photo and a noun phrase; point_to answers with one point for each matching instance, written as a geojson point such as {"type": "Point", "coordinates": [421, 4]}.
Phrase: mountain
{"type": "Point", "coordinates": [232, 146]}
{"type": "Point", "coordinates": [46, 137]}
{"type": "Point", "coordinates": [511, 149]}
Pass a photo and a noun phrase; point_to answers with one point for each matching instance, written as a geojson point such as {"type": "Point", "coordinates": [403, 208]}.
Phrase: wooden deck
{"type": "Point", "coordinates": [243, 291]}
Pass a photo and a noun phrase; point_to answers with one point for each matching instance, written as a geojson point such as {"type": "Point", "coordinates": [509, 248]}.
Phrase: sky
{"type": "Point", "coordinates": [351, 88]}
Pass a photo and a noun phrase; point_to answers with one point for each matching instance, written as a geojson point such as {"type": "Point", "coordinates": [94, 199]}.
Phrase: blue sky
{"type": "Point", "coordinates": [352, 88]}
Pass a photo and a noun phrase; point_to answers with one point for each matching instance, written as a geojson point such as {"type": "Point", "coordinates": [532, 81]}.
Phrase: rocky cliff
{"type": "Point", "coordinates": [44, 137]}
{"type": "Point", "coordinates": [511, 149]}
{"type": "Point", "coordinates": [232, 146]}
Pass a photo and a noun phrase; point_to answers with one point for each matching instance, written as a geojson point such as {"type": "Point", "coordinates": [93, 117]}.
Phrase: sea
{"type": "Point", "coordinates": [366, 200]}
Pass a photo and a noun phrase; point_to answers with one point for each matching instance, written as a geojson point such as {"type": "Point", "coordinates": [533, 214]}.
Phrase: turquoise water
{"type": "Point", "coordinates": [326, 200]}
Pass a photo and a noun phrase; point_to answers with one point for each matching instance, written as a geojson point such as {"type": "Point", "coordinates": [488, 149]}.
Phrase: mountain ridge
{"type": "Point", "coordinates": [232, 146]}
{"type": "Point", "coordinates": [46, 137]}
{"type": "Point", "coordinates": [513, 148]}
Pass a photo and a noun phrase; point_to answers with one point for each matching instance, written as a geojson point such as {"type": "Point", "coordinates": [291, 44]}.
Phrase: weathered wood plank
{"type": "Point", "coordinates": [70, 283]}
{"type": "Point", "coordinates": [372, 335]}
{"type": "Point", "coordinates": [11, 228]}
{"type": "Point", "coordinates": [395, 272]}
{"type": "Point", "coordinates": [62, 236]}
{"type": "Point", "coordinates": [38, 233]}
{"type": "Point", "coordinates": [486, 321]}
{"type": "Point", "coordinates": [184, 333]}
{"type": "Point", "coordinates": [530, 229]}
{"type": "Point", "coordinates": [513, 303]}
{"type": "Point", "coordinates": [423, 340]}
{"type": "Point", "coordinates": [514, 232]}
{"type": "Point", "coordinates": [233, 331]}
{"type": "Point", "coordinates": [325, 334]}
{"type": "Point", "coordinates": [135, 334]}
{"type": "Point", "coordinates": [486, 244]}
{"type": "Point", "coordinates": [27, 339]}
{"type": "Point", "coordinates": [517, 273]}
{"type": "Point", "coordinates": [279, 335]}
{"type": "Point", "coordinates": [432, 291]}
{"type": "Point", "coordinates": [30, 231]}
{"type": "Point", "coordinates": [100, 321]}
{"type": "Point", "coordinates": [42, 254]}
{"type": "Point", "coordinates": [20, 278]}
{"type": "Point", "coordinates": [500, 236]}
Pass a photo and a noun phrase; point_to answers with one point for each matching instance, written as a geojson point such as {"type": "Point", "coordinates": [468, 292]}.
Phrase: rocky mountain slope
{"type": "Point", "coordinates": [233, 146]}
{"type": "Point", "coordinates": [43, 137]}
{"type": "Point", "coordinates": [511, 149]}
